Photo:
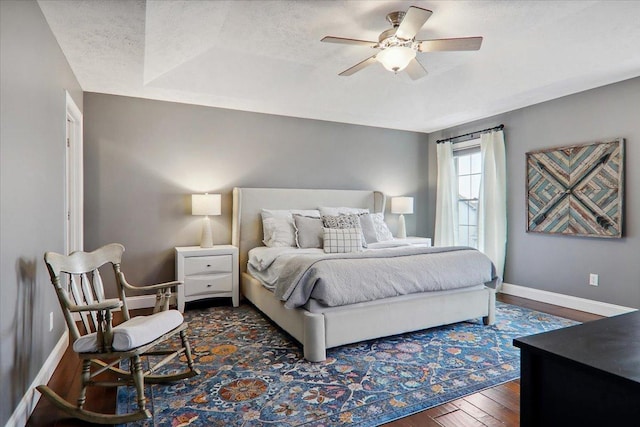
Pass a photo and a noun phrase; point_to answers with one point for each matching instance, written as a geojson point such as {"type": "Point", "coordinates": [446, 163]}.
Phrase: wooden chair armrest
{"type": "Point", "coordinates": [163, 291]}
{"type": "Point", "coordinates": [155, 287]}
{"type": "Point", "coordinates": [109, 304]}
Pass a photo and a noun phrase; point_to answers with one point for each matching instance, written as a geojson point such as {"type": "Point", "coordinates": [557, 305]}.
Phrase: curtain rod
{"type": "Point", "coordinates": [470, 135]}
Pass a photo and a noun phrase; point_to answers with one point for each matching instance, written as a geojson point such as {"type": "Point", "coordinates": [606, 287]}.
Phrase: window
{"type": "Point", "coordinates": [468, 163]}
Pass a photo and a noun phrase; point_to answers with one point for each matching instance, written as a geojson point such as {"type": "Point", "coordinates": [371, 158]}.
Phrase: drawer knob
{"type": "Point", "coordinates": [208, 265]}
{"type": "Point", "coordinates": [208, 286]}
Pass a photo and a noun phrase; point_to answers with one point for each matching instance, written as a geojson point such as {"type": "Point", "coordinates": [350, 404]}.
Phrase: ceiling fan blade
{"type": "Point", "coordinates": [412, 22]}
{"type": "Point", "coordinates": [463, 43]}
{"type": "Point", "coordinates": [415, 70]}
{"type": "Point", "coordinates": [342, 40]}
{"type": "Point", "coordinates": [359, 66]}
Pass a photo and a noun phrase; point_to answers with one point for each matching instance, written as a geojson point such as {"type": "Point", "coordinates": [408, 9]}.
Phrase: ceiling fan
{"type": "Point", "coordinates": [398, 46]}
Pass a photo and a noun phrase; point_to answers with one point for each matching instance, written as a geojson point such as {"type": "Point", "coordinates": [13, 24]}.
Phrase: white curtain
{"type": "Point", "coordinates": [492, 210]}
{"type": "Point", "coordinates": [446, 233]}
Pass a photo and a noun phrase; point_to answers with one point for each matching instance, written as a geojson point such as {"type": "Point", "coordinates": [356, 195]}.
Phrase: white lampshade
{"type": "Point", "coordinates": [396, 58]}
{"type": "Point", "coordinates": [402, 205]}
{"type": "Point", "coordinates": [205, 204]}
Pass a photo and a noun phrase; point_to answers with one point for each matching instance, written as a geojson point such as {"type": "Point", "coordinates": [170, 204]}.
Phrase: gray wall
{"type": "Point", "coordinates": [143, 160]}
{"type": "Point", "coordinates": [34, 74]}
{"type": "Point", "coordinates": [555, 263]}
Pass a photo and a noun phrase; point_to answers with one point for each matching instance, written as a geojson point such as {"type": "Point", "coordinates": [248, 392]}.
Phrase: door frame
{"type": "Point", "coordinates": [74, 176]}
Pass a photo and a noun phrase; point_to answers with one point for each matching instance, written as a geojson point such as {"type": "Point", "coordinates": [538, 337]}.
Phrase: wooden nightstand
{"type": "Point", "coordinates": [207, 273]}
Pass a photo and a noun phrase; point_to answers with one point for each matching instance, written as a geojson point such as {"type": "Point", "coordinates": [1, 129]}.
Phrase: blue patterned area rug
{"type": "Point", "coordinates": [253, 374]}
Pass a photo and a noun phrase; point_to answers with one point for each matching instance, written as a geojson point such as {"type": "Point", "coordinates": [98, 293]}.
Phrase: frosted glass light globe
{"type": "Point", "coordinates": [396, 58]}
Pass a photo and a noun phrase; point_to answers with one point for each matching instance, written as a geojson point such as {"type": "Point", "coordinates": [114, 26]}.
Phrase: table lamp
{"type": "Point", "coordinates": [402, 205]}
{"type": "Point", "coordinates": [206, 204]}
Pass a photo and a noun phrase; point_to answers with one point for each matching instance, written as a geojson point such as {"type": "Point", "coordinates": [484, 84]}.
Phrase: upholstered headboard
{"type": "Point", "coordinates": [246, 231]}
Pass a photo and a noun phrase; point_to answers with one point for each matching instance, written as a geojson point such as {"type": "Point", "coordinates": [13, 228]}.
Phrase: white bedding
{"type": "Point", "coordinates": [345, 279]}
{"type": "Point", "coordinates": [265, 264]}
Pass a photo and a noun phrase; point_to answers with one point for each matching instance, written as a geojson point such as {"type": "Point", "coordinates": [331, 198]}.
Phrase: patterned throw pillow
{"type": "Point", "coordinates": [341, 221]}
{"type": "Point", "coordinates": [344, 221]}
{"type": "Point", "coordinates": [382, 231]}
{"type": "Point", "coordinates": [342, 240]}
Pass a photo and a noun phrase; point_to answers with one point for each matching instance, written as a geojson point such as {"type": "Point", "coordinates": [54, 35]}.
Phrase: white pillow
{"type": "Point", "coordinates": [368, 228]}
{"type": "Point", "coordinates": [342, 240]}
{"type": "Point", "coordinates": [382, 230]}
{"type": "Point", "coordinates": [278, 232]}
{"type": "Point", "coordinates": [325, 211]}
{"type": "Point", "coordinates": [134, 332]}
{"type": "Point", "coordinates": [277, 226]}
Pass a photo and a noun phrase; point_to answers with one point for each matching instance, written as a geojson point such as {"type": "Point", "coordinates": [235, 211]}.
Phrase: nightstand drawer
{"type": "Point", "coordinates": [208, 284]}
{"type": "Point", "coordinates": [208, 264]}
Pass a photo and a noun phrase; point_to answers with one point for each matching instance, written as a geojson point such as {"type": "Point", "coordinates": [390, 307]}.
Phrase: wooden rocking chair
{"type": "Point", "coordinates": [102, 345]}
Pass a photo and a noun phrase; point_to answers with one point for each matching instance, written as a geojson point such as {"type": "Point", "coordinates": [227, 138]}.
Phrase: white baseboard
{"type": "Point", "coordinates": [30, 399]}
{"type": "Point", "coordinates": [568, 301]}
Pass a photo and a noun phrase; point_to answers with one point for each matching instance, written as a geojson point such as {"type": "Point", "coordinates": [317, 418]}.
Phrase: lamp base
{"type": "Point", "coordinates": [206, 241]}
{"type": "Point", "coordinates": [402, 228]}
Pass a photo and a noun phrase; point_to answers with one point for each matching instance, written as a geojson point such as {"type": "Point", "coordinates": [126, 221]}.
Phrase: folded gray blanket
{"type": "Point", "coordinates": [341, 279]}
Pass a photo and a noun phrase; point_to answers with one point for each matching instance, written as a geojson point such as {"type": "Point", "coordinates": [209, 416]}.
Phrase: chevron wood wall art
{"type": "Point", "coordinates": [576, 190]}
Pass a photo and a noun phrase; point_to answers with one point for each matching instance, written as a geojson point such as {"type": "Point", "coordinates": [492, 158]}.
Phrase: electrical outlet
{"type": "Point", "coordinates": [50, 321]}
{"type": "Point", "coordinates": [593, 279]}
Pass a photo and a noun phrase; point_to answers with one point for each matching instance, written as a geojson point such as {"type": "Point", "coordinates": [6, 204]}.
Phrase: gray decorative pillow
{"type": "Point", "coordinates": [342, 240]}
{"type": "Point", "coordinates": [368, 228]}
{"type": "Point", "coordinates": [308, 231]}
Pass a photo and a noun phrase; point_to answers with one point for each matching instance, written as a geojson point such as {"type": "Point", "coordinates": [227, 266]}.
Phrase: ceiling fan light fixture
{"type": "Point", "coordinates": [398, 45]}
{"type": "Point", "coordinates": [396, 58]}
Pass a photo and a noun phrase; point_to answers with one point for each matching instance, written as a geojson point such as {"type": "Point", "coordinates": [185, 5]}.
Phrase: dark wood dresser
{"type": "Point", "coordinates": [584, 375]}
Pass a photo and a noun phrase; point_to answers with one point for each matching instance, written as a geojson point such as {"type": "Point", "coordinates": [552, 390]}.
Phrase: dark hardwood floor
{"type": "Point", "coordinates": [497, 406]}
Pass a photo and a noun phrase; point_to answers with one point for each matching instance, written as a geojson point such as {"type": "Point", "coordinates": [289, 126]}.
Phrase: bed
{"type": "Point", "coordinates": [318, 331]}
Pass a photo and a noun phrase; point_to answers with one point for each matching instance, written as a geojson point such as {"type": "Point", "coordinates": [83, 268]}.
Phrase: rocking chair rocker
{"type": "Point", "coordinates": [103, 345]}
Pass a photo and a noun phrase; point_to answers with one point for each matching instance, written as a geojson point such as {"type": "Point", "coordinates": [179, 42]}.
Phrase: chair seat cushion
{"type": "Point", "coordinates": [133, 333]}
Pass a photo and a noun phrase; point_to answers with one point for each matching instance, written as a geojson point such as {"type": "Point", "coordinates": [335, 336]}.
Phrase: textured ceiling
{"type": "Point", "coordinates": [266, 56]}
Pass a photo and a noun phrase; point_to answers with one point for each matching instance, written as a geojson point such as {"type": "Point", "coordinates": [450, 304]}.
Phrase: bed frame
{"type": "Point", "coordinates": [318, 331]}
